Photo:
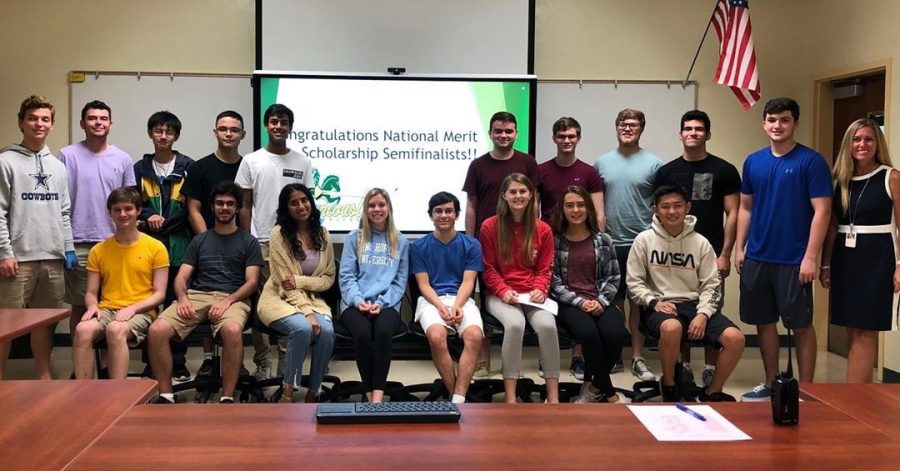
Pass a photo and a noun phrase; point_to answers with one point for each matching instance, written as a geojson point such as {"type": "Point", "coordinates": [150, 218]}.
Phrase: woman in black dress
{"type": "Point", "coordinates": [859, 257]}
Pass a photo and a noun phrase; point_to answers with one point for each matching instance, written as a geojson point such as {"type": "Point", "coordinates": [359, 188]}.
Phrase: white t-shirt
{"type": "Point", "coordinates": [266, 174]}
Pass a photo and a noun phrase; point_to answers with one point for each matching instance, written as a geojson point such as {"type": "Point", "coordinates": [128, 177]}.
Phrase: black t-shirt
{"type": "Point", "coordinates": [707, 182]}
{"type": "Point", "coordinates": [205, 174]}
{"type": "Point", "coordinates": [220, 261]}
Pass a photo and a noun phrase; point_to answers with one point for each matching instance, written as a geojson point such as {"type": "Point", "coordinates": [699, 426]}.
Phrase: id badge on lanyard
{"type": "Point", "coordinates": [850, 238]}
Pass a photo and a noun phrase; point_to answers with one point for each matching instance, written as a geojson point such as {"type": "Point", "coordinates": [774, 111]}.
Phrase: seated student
{"type": "Point", "coordinates": [301, 265]}
{"type": "Point", "coordinates": [446, 264]}
{"type": "Point", "coordinates": [672, 275]}
{"type": "Point", "coordinates": [518, 253]}
{"type": "Point", "coordinates": [222, 268]}
{"type": "Point", "coordinates": [129, 272]}
{"type": "Point", "coordinates": [585, 280]}
{"type": "Point", "coordinates": [374, 267]}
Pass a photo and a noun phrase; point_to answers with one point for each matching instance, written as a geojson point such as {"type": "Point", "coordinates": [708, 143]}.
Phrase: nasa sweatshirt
{"type": "Point", "coordinates": [673, 268]}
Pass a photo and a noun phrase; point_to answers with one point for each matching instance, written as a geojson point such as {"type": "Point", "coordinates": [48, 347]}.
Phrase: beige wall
{"type": "Point", "coordinates": [52, 37]}
{"type": "Point", "coordinates": [796, 42]}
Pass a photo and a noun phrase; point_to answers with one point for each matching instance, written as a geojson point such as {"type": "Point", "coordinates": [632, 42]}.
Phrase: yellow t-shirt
{"type": "Point", "coordinates": [126, 271]}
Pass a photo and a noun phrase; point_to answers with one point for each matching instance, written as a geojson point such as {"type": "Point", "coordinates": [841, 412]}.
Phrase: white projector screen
{"type": "Point", "coordinates": [424, 36]}
{"type": "Point", "coordinates": [412, 136]}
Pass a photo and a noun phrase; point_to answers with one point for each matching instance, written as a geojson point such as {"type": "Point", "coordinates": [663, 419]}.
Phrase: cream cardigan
{"type": "Point", "coordinates": [276, 302]}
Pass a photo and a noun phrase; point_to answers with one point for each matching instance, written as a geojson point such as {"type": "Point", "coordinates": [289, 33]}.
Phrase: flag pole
{"type": "Point", "coordinates": [702, 40]}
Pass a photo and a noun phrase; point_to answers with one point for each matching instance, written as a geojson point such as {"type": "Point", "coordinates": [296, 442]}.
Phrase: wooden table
{"type": "Point", "coordinates": [489, 436]}
{"type": "Point", "coordinates": [16, 322]}
{"type": "Point", "coordinates": [875, 404]}
{"type": "Point", "coordinates": [46, 424]}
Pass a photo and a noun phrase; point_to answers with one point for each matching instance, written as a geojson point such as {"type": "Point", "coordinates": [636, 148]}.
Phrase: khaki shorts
{"type": "Point", "coordinates": [263, 270]}
{"type": "Point", "coordinates": [76, 278]}
{"type": "Point", "coordinates": [138, 325]}
{"type": "Point", "coordinates": [202, 301]}
{"type": "Point", "coordinates": [39, 284]}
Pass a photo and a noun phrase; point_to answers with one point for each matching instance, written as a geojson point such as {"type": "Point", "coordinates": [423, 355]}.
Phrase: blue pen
{"type": "Point", "coordinates": [684, 408]}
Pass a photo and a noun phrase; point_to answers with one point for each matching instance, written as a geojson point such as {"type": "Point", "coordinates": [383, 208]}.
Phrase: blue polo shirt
{"type": "Point", "coordinates": [446, 263]}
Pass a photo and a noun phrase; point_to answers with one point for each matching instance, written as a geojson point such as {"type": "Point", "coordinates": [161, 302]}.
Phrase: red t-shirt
{"type": "Point", "coordinates": [500, 276]}
{"type": "Point", "coordinates": [485, 176]}
{"type": "Point", "coordinates": [555, 178]}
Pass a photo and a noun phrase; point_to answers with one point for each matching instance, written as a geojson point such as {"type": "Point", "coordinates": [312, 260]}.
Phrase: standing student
{"type": "Point", "coordinates": [518, 253]}
{"type": "Point", "coordinates": [856, 261]}
{"type": "Point", "coordinates": [482, 187]}
{"type": "Point", "coordinates": [672, 274]}
{"type": "Point", "coordinates": [95, 168]}
{"type": "Point", "coordinates": [446, 265]}
{"type": "Point", "coordinates": [374, 268]}
{"type": "Point", "coordinates": [714, 187]}
{"type": "Point", "coordinates": [126, 283]}
{"type": "Point", "coordinates": [160, 177]}
{"type": "Point", "coordinates": [302, 264]}
{"type": "Point", "coordinates": [558, 173]}
{"type": "Point", "coordinates": [218, 274]}
{"type": "Point", "coordinates": [584, 283]}
{"type": "Point", "coordinates": [262, 174]}
{"type": "Point", "coordinates": [628, 171]}
{"type": "Point", "coordinates": [782, 221]}
{"type": "Point", "coordinates": [35, 233]}
{"type": "Point", "coordinates": [219, 166]}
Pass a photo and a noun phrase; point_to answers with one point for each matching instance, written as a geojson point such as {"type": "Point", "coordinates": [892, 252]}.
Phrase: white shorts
{"type": "Point", "coordinates": [428, 315]}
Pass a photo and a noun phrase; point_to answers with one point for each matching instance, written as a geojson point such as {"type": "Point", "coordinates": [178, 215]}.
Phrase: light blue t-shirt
{"type": "Point", "coordinates": [781, 214]}
{"type": "Point", "coordinates": [629, 192]}
{"type": "Point", "coordinates": [445, 263]}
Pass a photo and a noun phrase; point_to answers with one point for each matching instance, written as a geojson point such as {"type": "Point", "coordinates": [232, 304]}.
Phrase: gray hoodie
{"type": "Point", "coordinates": [34, 205]}
{"type": "Point", "coordinates": [677, 269]}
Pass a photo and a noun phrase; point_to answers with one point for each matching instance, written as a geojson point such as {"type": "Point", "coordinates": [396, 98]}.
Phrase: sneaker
{"type": "Point", "coordinates": [618, 367]}
{"type": "Point", "coordinates": [181, 374]}
{"type": "Point", "coordinates": [716, 397]}
{"type": "Point", "coordinates": [540, 369]}
{"type": "Point", "coordinates": [482, 369]}
{"type": "Point", "coordinates": [226, 401]}
{"type": "Point", "coordinates": [670, 393]}
{"type": "Point", "coordinates": [687, 375]}
{"type": "Point", "coordinates": [588, 397]}
{"type": "Point", "coordinates": [262, 373]}
{"type": "Point", "coordinates": [760, 393]}
{"type": "Point", "coordinates": [205, 368]}
{"type": "Point", "coordinates": [708, 376]}
{"type": "Point", "coordinates": [640, 370]}
{"type": "Point", "coordinates": [577, 368]}
{"type": "Point", "coordinates": [162, 400]}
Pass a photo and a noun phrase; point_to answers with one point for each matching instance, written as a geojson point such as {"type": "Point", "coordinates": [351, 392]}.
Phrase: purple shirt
{"type": "Point", "coordinates": [92, 177]}
{"type": "Point", "coordinates": [556, 178]}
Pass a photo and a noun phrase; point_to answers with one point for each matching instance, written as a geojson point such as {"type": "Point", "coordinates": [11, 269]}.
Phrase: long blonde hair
{"type": "Point", "coordinates": [843, 164]}
{"type": "Point", "coordinates": [505, 221]}
{"type": "Point", "coordinates": [365, 233]}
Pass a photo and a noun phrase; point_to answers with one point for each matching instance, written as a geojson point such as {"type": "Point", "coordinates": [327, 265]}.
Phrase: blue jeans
{"type": "Point", "coordinates": [300, 338]}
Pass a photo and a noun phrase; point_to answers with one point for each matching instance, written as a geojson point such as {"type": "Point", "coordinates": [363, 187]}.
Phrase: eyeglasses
{"type": "Point", "coordinates": [566, 137]}
{"type": "Point", "coordinates": [223, 130]}
{"type": "Point", "coordinates": [628, 125]}
{"type": "Point", "coordinates": [442, 211]}
{"type": "Point", "coordinates": [225, 203]}
{"type": "Point", "coordinates": [161, 132]}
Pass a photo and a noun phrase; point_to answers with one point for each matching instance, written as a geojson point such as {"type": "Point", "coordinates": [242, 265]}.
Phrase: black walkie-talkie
{"type": "Point", "coordinates": [786, 393]}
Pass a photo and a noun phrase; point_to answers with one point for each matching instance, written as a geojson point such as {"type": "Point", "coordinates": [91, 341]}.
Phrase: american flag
{"type": "Point", "coordinates": [737, 59]}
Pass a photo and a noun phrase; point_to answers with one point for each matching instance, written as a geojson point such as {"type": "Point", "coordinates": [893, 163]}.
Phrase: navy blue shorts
{"type": "Point", "coordinates": [770, 291]}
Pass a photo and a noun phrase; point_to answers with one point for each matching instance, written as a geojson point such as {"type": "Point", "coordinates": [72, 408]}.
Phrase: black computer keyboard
{"type": "Point", "coordinates": [387, 413]}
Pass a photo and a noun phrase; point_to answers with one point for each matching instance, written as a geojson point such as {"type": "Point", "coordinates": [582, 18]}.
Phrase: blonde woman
{"type": "Point", "coordinates": [518, 253]}
{"type": "Point", "coordinates": [859, 257]}
{"type": "Point", "coordinates": [374, 267]}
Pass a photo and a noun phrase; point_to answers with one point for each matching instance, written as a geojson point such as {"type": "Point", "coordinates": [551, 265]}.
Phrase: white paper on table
{"type": "Point", "coordinates": [548, 305]}
{"type": "Point", "coordinates": [668, 424]}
